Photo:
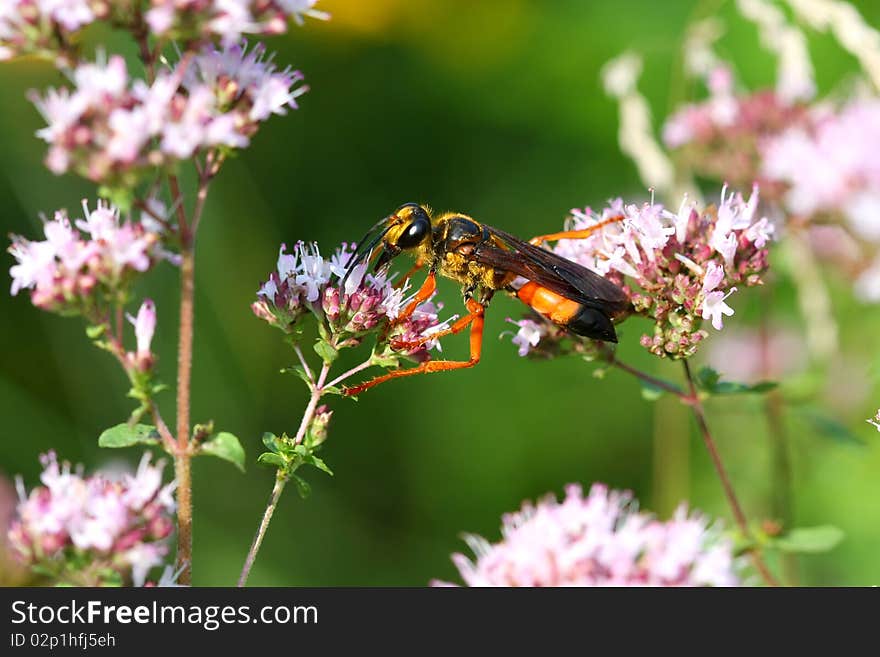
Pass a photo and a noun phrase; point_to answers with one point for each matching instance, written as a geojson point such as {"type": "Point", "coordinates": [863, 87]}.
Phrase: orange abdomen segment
{"type": "Point", "coordinates": [554, 307]}
{"type": "Point", "coordinates": [579, 318]}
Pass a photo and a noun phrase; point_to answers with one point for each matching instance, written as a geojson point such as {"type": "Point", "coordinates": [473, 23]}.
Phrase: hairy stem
{"type": "Point", "coordinates": [643, 376]}
{"type": "Point", "coordinates": [354, 370]}
{"type": "Point", "coordinates": [182, 452]}
{"type": "Point", "coordinates": [738, 514]}
{"type": "Point", "coordinates": [183, 475]}
{"type": "Point", "coordinates": [280, 482]}
{"type": "Point", "coordinates": [282, 476]}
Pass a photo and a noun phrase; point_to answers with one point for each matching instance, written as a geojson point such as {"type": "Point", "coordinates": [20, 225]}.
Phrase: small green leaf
{"type": "Point", "coordinates": [327, 352]}
{"type": "Point", "coordinates": [708, 380]}
{"type": "Point", "coordinates": [828, 427]}
{"type": "Point", "coordinates": [121, 197]}
{"type": "Point", "coordinates": [387, 360]}
{"type": "Point", "coordinates": [810, 540]}
{"type": "Point", "coordinates": [126, 435]}
{"type": "Point", "coordinates": [299, 371]}
{"type": "Point", "coordinates": [270, 440]}
{"type": "Point", "coordinates": [331, 390]}
{"type": "Point", "coordinates": [650, 392]}
{"type": "Point", "coordinates": [271, 459]}
{"type": "Point", "coordinates": [227, 447]}
{"type": "Point", "coordinates": [302, 486]}
{"type": "Point", "coordinates": [95, 331]}
{"type": "Point", "coordinates": [318, 463]}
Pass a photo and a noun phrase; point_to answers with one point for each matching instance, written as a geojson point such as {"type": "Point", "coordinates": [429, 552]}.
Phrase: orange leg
{"type": "Point", "coordinates": [460, 325]}
{"type": "Point", "coordinates": [475, 319]}
{"type": "Point", "coordinates": [424, 293]}
{"type": "Point", "coordinates": [575, 234]}
{"type": "Point", "coordinates": [416, 267]}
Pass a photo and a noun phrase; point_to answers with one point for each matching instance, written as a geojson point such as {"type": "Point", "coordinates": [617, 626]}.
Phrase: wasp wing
{"type": "Point", "coordinates": [563, 276]}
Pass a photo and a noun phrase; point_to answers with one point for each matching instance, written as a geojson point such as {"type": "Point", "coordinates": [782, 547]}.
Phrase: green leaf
{"type": "Point", "coordinates": [302, 486]}
{"type": "Point", "coordinates": [318, 463]}
{"type": "Point", "coordinates": [809, 540]}
{"type": "Point", "coordinates": [126, 435]}
{"type": "Point", "coordinates": [271, 459]}
{"type": "Point", "coordinates": [121, 197]}
{"type": "Point", "coordinates": [828, 427]}
{"type": "Point", "coordinates": [227, 447]}
{"type": "Point", "coordinates": [650, 392]}
{"type": "Point", "coordinates": [95, 331]}
{"type": "Point", "coordinates": [270, 440]}
{"type": "Point", "coordinates": [706, 378]}
{"type": "Point", "coordinates": [300, 371]}
{"type": "Point", "coordinates": [327, 352]}
{"type": "Point", "coordinates": [385, 360]}
{"type": "Point", "coordinates": [709, 380]}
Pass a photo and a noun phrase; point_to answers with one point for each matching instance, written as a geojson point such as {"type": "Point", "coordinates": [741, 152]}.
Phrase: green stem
{"type": "Point", "coordinates": [281, 480]}
{"type": "Point", "coordinates": [732, 500]}
{"type": "Point", "coordinates": [282, 476]}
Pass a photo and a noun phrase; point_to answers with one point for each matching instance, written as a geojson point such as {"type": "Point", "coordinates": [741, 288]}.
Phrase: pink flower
{"type": "Point", "coordinates": [112, 129]}
{"type": "Point", "coordinates": [599, 540]}
{"type": "Point", "coordinates": [660, 259]}
{"type": "Point", "coordinates": [144, 327]}
{"type": "Point", "coordinates": [66, 270]}
{"type": "Point", "coordinates": [80, 526]}
{"type": "Point", "coordinates": [306, 282]}
{"type": "Point", "coordinates": [529, 334]}
{"type": "Point", "coordinates": [713, 300]}
{"type": "Point", "coordinates": [229, 19]}
{"type": "Point", "coordinates": [41, 26]}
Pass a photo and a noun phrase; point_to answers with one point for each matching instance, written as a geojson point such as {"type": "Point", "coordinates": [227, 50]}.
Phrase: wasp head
{"type": "Point", "coordinates": [405, 229]}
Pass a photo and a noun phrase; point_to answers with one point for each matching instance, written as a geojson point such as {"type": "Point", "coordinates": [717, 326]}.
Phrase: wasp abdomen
{"type": "Point", "coordinates": [571, 315]}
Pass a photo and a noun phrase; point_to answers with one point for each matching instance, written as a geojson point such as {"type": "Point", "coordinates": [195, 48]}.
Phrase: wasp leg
{"type": "Point", "coordinates": [428, 288]}
{"type": "Point", "coordinates": [416, 267]}
{"type": "Point", "coordinates": [459, 326]}
{"type": "Point", "coordinates": [475, 319]}
{"type": "Point", "coordinates": [575, 234]}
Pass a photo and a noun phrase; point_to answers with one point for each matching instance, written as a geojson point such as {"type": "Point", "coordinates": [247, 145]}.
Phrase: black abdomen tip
{"type": "Point", "coordinates": [592, 323]}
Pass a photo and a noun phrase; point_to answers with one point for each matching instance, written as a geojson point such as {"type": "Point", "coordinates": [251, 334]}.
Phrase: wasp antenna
{"type": "Point", "coordinates": [366, 246]}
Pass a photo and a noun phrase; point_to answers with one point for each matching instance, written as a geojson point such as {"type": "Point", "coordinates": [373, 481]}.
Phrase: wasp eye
{"type": "Point", "coordinates": [415, 233]}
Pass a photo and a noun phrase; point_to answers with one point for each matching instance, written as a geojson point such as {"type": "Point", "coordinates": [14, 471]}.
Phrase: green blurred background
{"type": "Point", "coordinates": [494, 108]}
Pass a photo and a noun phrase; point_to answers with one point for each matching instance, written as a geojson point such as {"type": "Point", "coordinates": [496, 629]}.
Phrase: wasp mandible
{"type": "Point", "coordinates": [485, 260]}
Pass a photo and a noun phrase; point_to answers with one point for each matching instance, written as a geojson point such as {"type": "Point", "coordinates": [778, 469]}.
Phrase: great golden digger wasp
{"type": "Point", "coordinates": [485, 260]}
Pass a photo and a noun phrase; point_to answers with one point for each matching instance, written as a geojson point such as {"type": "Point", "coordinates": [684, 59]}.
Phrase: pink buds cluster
{"type": "Point", "coordinates": [347, 307]}
{"type": "Point", "coordinates": [599, 540]}
{"type": "Point", "coordinates": [79, 265]}
{"type": "Point", "coordinates": [111, 129]}
{"type": "Point", "coordinates": [677, 268]}
{"type": "Point", "coordinates": [93, 530]}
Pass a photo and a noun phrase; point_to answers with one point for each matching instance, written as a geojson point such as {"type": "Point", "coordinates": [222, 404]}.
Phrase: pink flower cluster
{"type": "Point", "coordinates": [44, 26]}
{"type": "Point", "coordinates": [76, 264]}
{"type": "Point", "coordinates": [828, 167]}
{"type": "Point", "coordinates": [229, 19]}
{"type": "Point", "coordinates": [678, 268]}
{"type": "Point", "coordinates": [349, 307]}
{"type": "Point", "coordinates": [721, 136]}
{"type": "Point", "coordinates": [83, 530]}
{"type": "Point", "coordinates": [599, 540]}
{"type": "Point", "coordinates": [110, 129]}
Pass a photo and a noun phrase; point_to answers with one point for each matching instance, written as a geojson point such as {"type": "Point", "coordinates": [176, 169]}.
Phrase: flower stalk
{"type": "Point", "coordinates": [732, 500]}
{"type": "Point", "coordinates": [282, 476]}
{"type": "Point", "coordinates": [691, 398]}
